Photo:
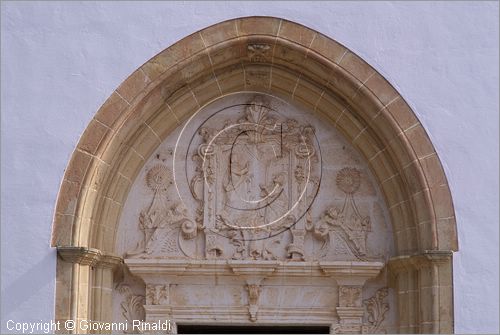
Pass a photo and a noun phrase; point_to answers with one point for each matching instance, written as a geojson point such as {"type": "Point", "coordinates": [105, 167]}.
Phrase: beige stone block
{"type": "Point", "coordinates": [426, 235]}
{"type": "Point", "coordinates": [227, 54]}
{"type": "Point", "coordinates": [328, 48]}
{"type": "Point", "coordinates": [283, 82]}
{"type": "Point", "coordinates": [382, 168]}
{"type": "Point", "coordinates": [89, 198]}
{"type": "Point", "coordinates": [82, 231]}
{"type": "Point", "coordinates": [419, 141]}
{"type": "Point", "coordinates": [307, 93]}
{"type": "Point", "coordinates": [146, 142]}
{"type": "Point", "coordinates": [368, 145]}
{"type": "Point", "coordinates": [381, 88]}
{"type": "Point", "coordinates": [185, 48]}
{"type": "Point", "coordinates": [441, 198]}
{"type": "Point", "coordinates": [220, 32]}
{"type": "Point", "coordinates": [447, 234]}
{"type": "Point", "coordinates": [402, 113]}
{"type": "Point", "coordinates": [317, 68]}
{"type": "Point", "coordinates": [385, 127]}
{"type": "Point", "coordinates": [356, 66]}
{"type": "Point", "coordinates": [399, 152]}
{"type": "Point", "coordinates": [349, 124]}
{"type": "Point", "coordinates": [68, 197]}
{"type": "Point", "coordinates": [231, 79]}
{"type": "Point", "coordinates": [330, 107]}
{"type": "Point", "coordinates": [433, 170]}
{"type": "Point", "coordinates": [342, 84]}
{"type": "Point", "coordinates": [183, 103]}
{"type": "Point", "coordinates": [207, 91]}
{"type": "Point", "coordinates": [257, 77]}
{"type": "Point", "coordinates": [413, 178]}
{"type": "Point", "coordinates": [199, 67]}
{"type": "Point", "coordinates": [393, 191]}
{"type": "Point", "coordinates": [62, 229]}
{"type": "Point", "coordinates": [367, 104]}
{"type": "Point", "coordinates": [111, 110]}
{"type": "Point", "coordinates": [133, 85]}
{"type": "Point", "coordinates": [100, 174]}
{"type": "Point", "coordinates": [297, 33]}
{"type": "Point", "coordinates": [421, 204]}
{"type": "Point", "coordinates": [92, 137]}
{"type": "Point", "coordinates": [288, 56]}
{"type": "Point", "coordinates": [401, 216]}
{"type": "Point", "coordinates": [77, 167]}
{"type": "Point", "coordinates": [131, 164]}
{"type": "Point", "coordinates": [258, 25]}
{"type": "Point", "coordinates": [163, 123]}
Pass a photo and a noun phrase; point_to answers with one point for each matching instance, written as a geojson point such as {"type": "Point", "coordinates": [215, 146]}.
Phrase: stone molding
{"type": "Point", "coordinates": [89, 256]}
{"type": "Point", "coordinates": [419, 260]}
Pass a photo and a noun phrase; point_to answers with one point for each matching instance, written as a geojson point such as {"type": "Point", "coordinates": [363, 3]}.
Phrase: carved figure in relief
{"type": "Point", "coordinates": [346, 222]}
{"type": "Point", "coordinates": [165, 224]}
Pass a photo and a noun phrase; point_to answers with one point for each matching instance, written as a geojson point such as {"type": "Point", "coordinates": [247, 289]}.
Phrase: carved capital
{"type": "Point", "coordinates": [420, 260]}
{"type": "Point", "coordinates": [88, 256]}
{"type": "Point", "coordinates": [79, 255]}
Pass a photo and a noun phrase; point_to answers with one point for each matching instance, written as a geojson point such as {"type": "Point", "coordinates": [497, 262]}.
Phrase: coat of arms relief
{"type": "Point", "coordinates": [254, 178]}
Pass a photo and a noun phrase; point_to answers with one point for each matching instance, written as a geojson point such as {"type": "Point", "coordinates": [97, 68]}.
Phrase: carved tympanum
{"type": "Point", "coordinates": [254, 179]}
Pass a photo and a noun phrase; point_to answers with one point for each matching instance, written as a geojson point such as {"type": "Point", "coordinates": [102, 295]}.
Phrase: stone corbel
{"type": "Point", "coordinates": [253, 300]}
{"type": "Point", "coordinates": [253, 274]}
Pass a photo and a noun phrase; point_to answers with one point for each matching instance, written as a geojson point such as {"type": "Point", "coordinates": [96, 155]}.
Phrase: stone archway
{"type": "Point", "coordinates": [283, 59]}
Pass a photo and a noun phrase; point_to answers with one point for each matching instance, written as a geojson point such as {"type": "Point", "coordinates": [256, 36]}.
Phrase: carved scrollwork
{"type": "Point", "coordinates": [376, 308]}
{"type": "Point", "coordinates": [132, 306]}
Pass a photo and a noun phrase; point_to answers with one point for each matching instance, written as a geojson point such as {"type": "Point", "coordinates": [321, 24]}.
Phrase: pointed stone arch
{"type": "Point", "coordinates": [276, 56]}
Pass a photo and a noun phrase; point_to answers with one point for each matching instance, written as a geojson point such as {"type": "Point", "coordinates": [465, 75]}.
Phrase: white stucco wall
{"type": "Point", "coordinates": [61, 60]}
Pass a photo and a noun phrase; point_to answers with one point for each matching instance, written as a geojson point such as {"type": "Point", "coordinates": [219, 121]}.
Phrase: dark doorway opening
{"type": "Point", "coordinates": [244, 329]}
